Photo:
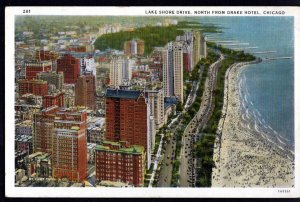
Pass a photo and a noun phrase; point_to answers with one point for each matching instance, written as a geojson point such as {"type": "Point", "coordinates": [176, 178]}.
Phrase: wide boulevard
{"type": "Point", "coordinates": [187, 162]}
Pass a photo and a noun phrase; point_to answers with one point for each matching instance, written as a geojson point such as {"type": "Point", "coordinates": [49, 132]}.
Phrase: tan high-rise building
{"type": "Point", "coordinates": [140, 47]}
{"type": "Point", "coordinates": [156, 101]}
{"type": "Point", "coordinates": [127, 48]}
{"type": "Point", "coordinates": [203, 51]}
{"type": "Point", "coordinates": [196, 47]}
{"type": "Point", "coordinates": [199, 47]}
{"type": "Point", "coordinates": [115, 74]}
{"type": "Point", "coordinates": [134, 47]}
{"type": "Point", "coordinates": [173, 70]}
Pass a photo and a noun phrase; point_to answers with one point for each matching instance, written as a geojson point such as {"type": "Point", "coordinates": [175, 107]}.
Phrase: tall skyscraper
{"type": "Point", "coordinates": [199, 47]}
{"type": "Point", "coordinates": [196, 47]}
{"type": "Point", "coordinates": [140, 47]}
{"type": "Point", "coordinates": [70, 66]}
{"type": "Point", "coordinates": [127, 69]}
{"type": "Point", "coordinates": [128, 119]}
{"type": "Point", "coordinates": [115, 75]}
{"type": "Point", "coordinates": [203, 51]}
{"type": "Point", "coordinates": [156, 101]}
{"type": "Point", "coordinates": [133, 47]}
{"type": "Point", "coordinates": [85, 90]}
{"type": "Point", "coordinates": [173, 70]}
{"type": "Point", "coordinates": [187, 45]}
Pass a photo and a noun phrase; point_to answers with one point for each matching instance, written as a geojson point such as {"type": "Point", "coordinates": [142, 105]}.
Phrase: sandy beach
{"type": "Point", "coordinates": [245, 153]}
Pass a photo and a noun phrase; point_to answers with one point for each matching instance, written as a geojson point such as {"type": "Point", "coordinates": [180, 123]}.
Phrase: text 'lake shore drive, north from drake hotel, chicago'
{"type": "Point", "coordinates": [208, 12]}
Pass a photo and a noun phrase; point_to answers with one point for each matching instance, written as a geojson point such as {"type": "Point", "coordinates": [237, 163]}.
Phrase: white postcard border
{"type": "Point", "coordinates": [12, 191]}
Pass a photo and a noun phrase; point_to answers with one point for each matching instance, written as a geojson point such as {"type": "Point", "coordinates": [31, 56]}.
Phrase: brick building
{"type": "Point", "coordinates": [120, 162]}
{"type": "Point", "coordinates": [23, 143]}
{"type": "Point", "coordinates": [70, 66]}
{"type": "Point", "coordinates": [36, 87]}
{"type": "Point", "coordinates": [128, 118]}
{"type": "Point", "coordinates": [187, 62]}
{"type": "Point", "coordinates": [53, 99]}
{"type": "Point", "coordinates": [62, 133]}
{"type": "Point", "coordinates": [69, 145]}
{"type": "Point", "coordinates": [33, 68]}
{"type": "Point", "coordinates": [85, 91]}
{"type": "Point", "coordinates": [43, 124]}
{"type": "Point", "coordinates": [156, 66]}
{"type": "Point", "coordinates": [42, 55]}
{"type": "Point", "coordinates": [76, 48]}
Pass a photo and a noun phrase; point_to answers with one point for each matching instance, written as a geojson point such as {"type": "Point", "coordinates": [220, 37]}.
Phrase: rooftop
{"type": "Point", "coordinates": [39, 155]}
{"type": "Point", "coordinates": [25, 123]}
{"type": "Point", "coordinates": [113, 184]}
{"type": "Point", "coordinates": [37, 81]}
{"type": "Point", "coordinates": [133, 149]}
{"type": "Point", "coordinates": [127, 94]}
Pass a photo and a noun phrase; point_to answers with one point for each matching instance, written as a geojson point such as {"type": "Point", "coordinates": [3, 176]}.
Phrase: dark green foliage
{"type": "Point", "coordinates": [231, 57]}
{"type": "Point", "coordinates": [205, 146]}
{"type": "Point", "coordinates": [179, 106]}
{"type": "Point", "coordinates": [153, 36]}
{"type": "Point", "coordinates": [204, 151]}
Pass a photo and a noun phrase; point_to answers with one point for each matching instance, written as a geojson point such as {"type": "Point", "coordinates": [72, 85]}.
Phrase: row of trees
{"type": "Point", "coordinates": [176, 163]}
{"type": "Point", "coordinates": [193, 109]}
{"type": "Point", "coordinates": [204, 152]}
{"type": "Point", "coordinates": [205, 145]}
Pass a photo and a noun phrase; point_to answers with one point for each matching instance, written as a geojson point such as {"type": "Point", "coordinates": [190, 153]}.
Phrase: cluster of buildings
{"type": "Point", "coordinates": [181, 55]}
{"type": "Point", "coordinates": [77, 107]}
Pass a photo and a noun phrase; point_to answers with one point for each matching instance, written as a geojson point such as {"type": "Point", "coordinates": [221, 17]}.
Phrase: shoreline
{"type": "Point", "coordinates": [244, 155]}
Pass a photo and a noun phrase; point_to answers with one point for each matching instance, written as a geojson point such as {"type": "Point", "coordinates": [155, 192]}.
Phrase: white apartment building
{"type": "Point", "coordinates": [127, 69]}
{"type": "Point", "coordinates": [173, 70]}
{"type": "Point", "coordinates": [116, 68]}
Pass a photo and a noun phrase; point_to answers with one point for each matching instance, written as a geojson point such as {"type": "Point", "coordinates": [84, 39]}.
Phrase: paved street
{"type": "Point", "coordinates": [165, 174]}
{"type": "Point", "coordinates": [91, 173]}
{"type": "Point", "coordinates": [187, 162]}
{"type": "Point", "coordinates": [165, 177]}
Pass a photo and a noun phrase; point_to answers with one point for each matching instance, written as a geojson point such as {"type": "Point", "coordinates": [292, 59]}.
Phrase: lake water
{"type": "Point", "coordinates": [269, 85]}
